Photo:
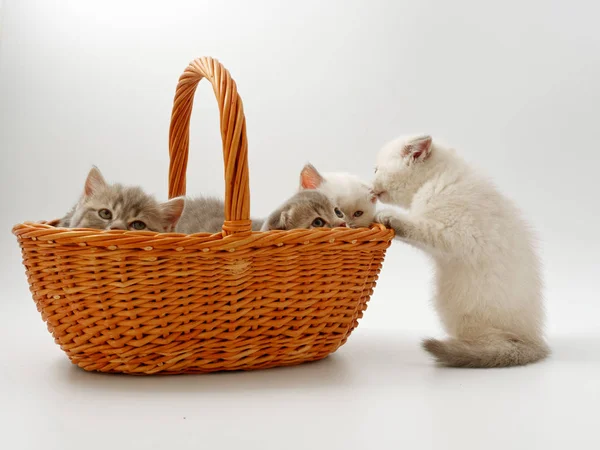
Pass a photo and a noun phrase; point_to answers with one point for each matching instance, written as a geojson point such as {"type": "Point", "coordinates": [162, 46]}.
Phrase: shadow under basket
{"type": "Point", "coordinates": [163, 303]}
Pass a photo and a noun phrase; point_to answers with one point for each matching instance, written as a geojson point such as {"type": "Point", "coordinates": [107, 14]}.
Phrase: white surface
{"type": "Point", "coordinates": [513, 85]}
{"type": "Point", "coordinates": [377, 392]}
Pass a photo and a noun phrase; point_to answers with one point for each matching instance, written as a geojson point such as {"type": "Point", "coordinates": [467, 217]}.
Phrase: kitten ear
{"type": "Point", "coordinates": [310, 178]}
{"type": "Point", "coordinates": [277, 221]}
{"type": "Point", "coordinates": [171, 212]}
{"type": "Point", "coordinates": [372, 197]}
{"type": "Point", "coordinates": [94, 182]}
{"type": "Point", "coordinates": [417, 149]}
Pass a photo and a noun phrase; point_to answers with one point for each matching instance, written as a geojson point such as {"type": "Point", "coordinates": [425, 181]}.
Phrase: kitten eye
{"type": "Point", "coordinates": [318, 223]}
{"type": "Point", "coordinates": [138, 225]}
{"type": "Point", "coordinates": [105, 214]}
{"type": "Point", "coordinates": [358, 213]}
{"type": "Point", "coordinates": [338, 213]}
{"type": "Point", "coordinates": [376, 169]}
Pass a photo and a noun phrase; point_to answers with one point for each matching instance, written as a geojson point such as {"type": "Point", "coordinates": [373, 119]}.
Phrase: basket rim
{"type": "Point", "coordinates": [44, 231]}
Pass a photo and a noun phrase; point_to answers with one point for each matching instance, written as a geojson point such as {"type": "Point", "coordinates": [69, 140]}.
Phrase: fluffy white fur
{"type": "Point", "coordinates": [488, 285]}
{"type": "Point", "coordinates": [353, 196]}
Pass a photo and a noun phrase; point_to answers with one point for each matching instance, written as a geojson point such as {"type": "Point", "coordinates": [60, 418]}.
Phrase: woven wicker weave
{"type": "Point", "coordinates": [146, 303]}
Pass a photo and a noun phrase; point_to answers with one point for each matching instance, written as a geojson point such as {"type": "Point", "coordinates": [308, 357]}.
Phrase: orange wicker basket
{"type": "Point", "coordinates": [147, 303]}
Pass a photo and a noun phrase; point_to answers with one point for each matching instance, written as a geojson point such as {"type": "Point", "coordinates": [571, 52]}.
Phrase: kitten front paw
{"type": "Point", "coordinates": [392, 219]}
{"type": "Point", "coordinates": [385, 217]}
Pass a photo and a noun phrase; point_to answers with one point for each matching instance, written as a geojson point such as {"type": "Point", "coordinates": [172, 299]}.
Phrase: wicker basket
{"type": "Point", "coordinates": [146, 303]}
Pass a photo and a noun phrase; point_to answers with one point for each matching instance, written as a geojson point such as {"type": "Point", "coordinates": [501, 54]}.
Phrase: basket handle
{"type": "Point", "coordinates": [233, 135]}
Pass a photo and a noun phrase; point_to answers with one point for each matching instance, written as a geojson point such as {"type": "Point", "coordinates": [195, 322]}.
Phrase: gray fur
{"type": "Point", "coordinates": [498, 349]}
{"type": "Point", "coordinates": [301, 210]}
{"type": "Point", "coordinates": [205, 215]}
{"type": "Point", "coordinates": [127, 204]}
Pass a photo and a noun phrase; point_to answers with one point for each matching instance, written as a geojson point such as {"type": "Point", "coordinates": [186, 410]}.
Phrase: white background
{"type": "Point", "coordinates": [513, 85]}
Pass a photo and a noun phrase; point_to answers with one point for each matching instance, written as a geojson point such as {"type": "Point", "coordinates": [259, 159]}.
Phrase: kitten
{"type": "Point", "coordinates": [205, 215]}
{"type": "Point", "coordinates": [348, 192]}
{"type": "Point", "coordinates": [306, 209]}
{"type": "Point", "coordinates": [488, 275]}
{"type": "Point", "coordinates": [115, 207]}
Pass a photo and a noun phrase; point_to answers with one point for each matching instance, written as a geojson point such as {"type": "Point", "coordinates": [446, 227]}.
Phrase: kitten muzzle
{"type": "Point", "coordinates": [117, 226]}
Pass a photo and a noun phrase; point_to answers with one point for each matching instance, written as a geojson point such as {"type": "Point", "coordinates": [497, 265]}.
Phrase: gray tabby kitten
{"type": "Point", "coordinates": [306, 209]}
{"type": "Point", "coordinates": [106, 206]}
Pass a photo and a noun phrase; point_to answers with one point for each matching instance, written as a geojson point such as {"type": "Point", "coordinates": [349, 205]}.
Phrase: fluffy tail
{"type": "Point", "coordinates": [496, 350]}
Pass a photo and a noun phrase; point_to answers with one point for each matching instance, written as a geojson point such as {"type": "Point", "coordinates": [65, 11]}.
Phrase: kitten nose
{"type": "Point", "coordinates": [343, 225]}
{"type": "Point", "coordinates": [117, 226]}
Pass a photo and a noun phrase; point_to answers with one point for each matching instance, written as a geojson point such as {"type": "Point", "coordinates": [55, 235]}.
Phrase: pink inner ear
{"type": "Point", "coordinates": [418, 149]}
{"type": "Point", "coordinates": [173, 210]}
{"type": "Point", "coordinates": [93, 182]}
{"type": "Point", "coordinates": [310, 178]}
{"type": "Point", "coordinates": [416, 154]}
{"type": "Point", "coordinates": [88, 189]}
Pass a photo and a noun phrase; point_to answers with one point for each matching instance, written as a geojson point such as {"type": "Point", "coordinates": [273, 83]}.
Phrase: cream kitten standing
{"type": "Point", "coordinates": [348, 192]}
{"type": "Point", "coordinates": [489, 290]}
